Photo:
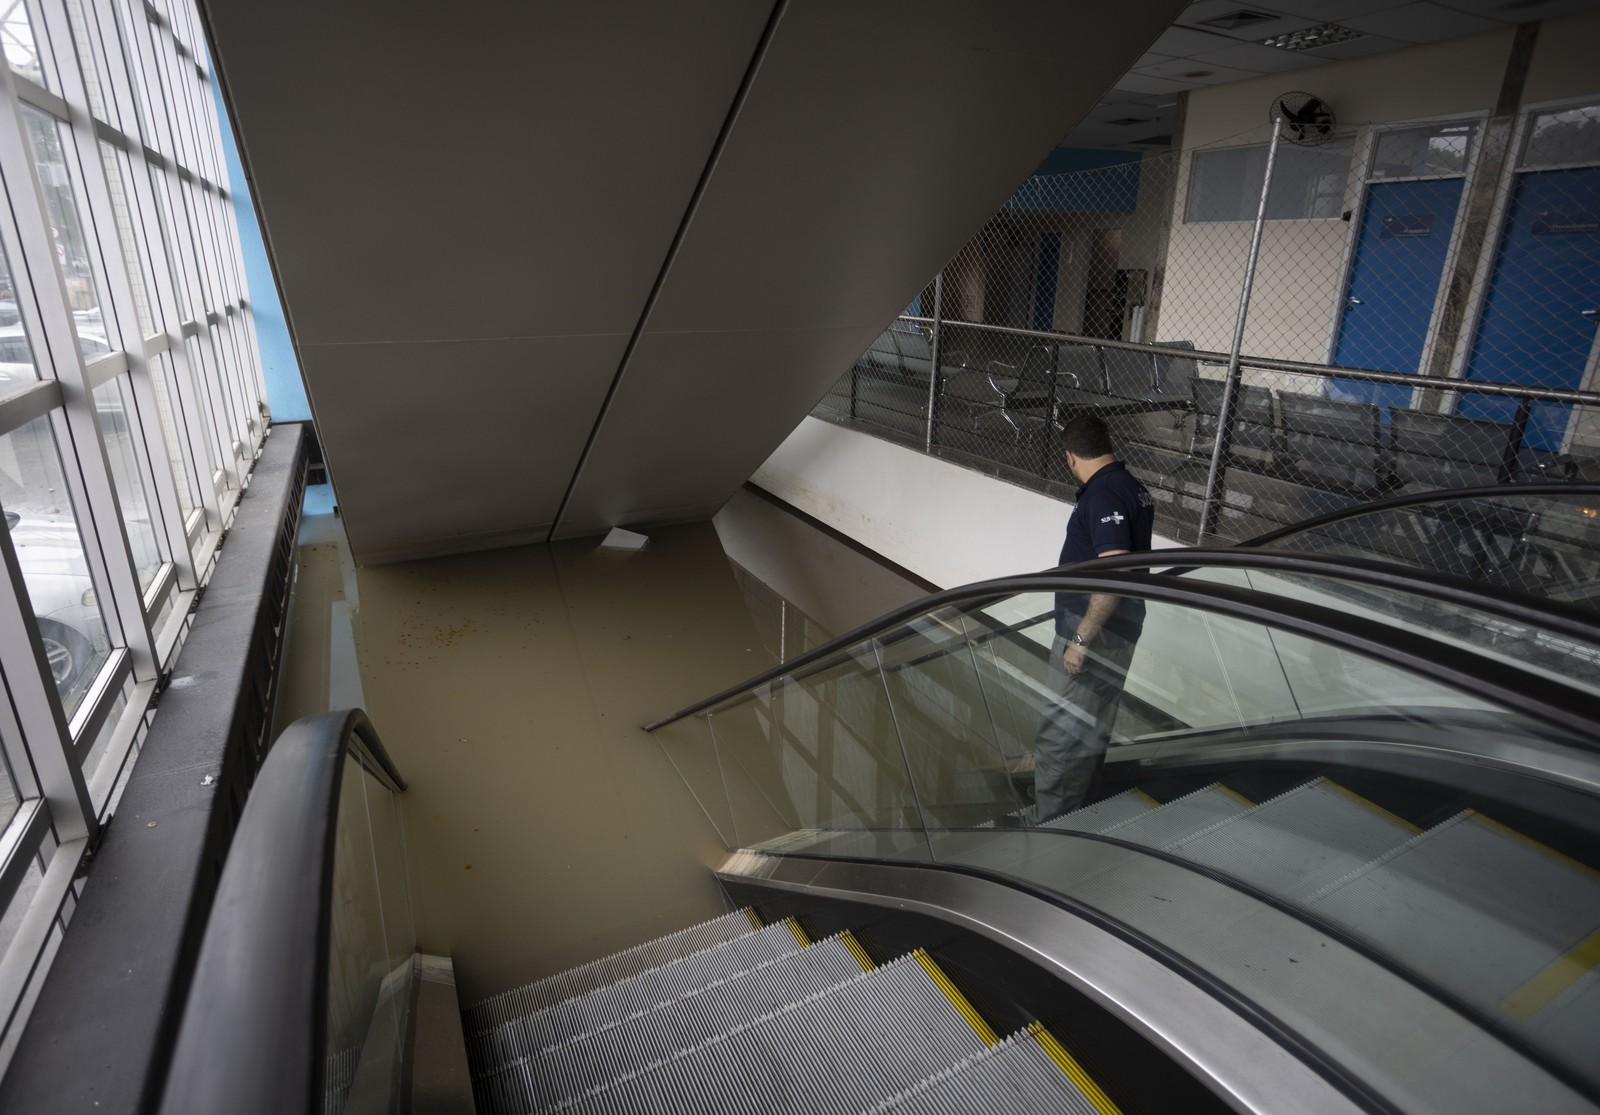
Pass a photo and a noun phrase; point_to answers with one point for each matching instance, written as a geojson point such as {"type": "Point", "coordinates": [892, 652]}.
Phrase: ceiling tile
{"type": "Point", "coordinates": [1422, 23]}
{"type": "Point", "coordinates": [1524, 12]}
{"type": "Point", "coordinates": [1261, 59]}
{"type": "Point", "coordinates": [1357, 48]}
{"type": "Point", "coordinates": [1180, 42]}
{"type": "Point", "coordinates": [1181, 69]}
{"type": "Point", "coordinates": [1151, 59]}
{"type": "Point", "coordinates": [1138, 83]}
{"type": "Point", "coordinates": [1196, 14]}
{"type": "Point", "coordinates": [1118, 96]}
{"type": "Point", "coordinates": [1337, 11]}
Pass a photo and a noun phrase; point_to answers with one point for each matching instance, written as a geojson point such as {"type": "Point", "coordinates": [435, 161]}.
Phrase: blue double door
{"type": "Point", "coordinates": [1537, 327]}
{"type": "Point", "coordinates": [1401, 250]}
{"type": "Point", "coordinates": [1537, 324]}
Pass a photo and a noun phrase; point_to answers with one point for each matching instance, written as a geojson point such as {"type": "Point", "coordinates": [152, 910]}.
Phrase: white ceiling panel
{"type": "Point", "coordinates": [1196, 15]}
{"type": "Point", "coordinates": [1422, 23]}
{"type": "Point", "coordinates": [1257, 58]}
{"type": "Point", "coordinates": [1180, 42]}
{"type": "Point", "coordinates": [1187, 69]}
{"type": "Point", "coordinates": [1147, 86]}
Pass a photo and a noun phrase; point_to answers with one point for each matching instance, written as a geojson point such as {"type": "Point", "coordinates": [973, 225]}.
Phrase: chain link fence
{"type": "Point", "coordinates": [1273, 330]}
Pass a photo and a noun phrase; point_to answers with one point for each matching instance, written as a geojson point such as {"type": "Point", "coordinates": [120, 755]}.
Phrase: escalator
{"type": "Point", "coordinates": [1342, 855]}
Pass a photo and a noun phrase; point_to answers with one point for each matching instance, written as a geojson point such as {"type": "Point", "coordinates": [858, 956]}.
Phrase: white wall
{"type": "Point", "coordinates": [948, 524]}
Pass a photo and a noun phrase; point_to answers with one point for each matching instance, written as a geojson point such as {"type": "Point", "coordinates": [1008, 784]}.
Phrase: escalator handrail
{"type": "Point", "coordinates": [253, 1029]}
{"type": "Point", "coordinates": [1447, 588]}
{"type": "Point", "coordinates": [1442, 496]}
{"type": "Point", "coordinates": [1110, 575]}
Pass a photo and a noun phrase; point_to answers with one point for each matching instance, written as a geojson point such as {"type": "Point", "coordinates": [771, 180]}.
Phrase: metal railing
{"type": "Point", "coordinates": [1226, 459]}
{"type": "Point", "coordinates": [1275, 324]}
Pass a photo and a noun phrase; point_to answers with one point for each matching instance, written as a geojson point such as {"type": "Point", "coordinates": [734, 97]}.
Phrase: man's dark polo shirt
{"type": "Point", "coordinates": [1114, 512]}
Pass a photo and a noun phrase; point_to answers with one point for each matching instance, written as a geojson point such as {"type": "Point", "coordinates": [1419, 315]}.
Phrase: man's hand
{"type": "Point", "coordinates": [1075, 658]}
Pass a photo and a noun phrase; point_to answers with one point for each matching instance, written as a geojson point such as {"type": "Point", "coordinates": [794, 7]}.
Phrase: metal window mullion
{"type": "Point", "coordinates": [49, 321]}
{"type": "Point", "coordinates": [142, 37]}
{"type": "Point", "coordinates": [51, 902]}
{"type": "Point", "coordinates": [124, 333]}
{"type": "Point", "coordinates": [168, 315]}
{"type": "Point", "coordinates": [38, 709]}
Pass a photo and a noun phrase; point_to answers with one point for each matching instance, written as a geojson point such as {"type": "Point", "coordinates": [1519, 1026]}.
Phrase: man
{"type": "Point", "coordinates": [1095, 632]}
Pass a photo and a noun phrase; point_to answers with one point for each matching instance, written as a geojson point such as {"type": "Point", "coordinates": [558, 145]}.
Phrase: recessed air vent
{"type": "Point", "coordinates": [1311, 38]}
{"type": "Point", "coordinates": [1233, 21]}
{"type": "Point", "coordinates": [1153, 141]}
{"type": "Point", "coordinates": [1128, 121]}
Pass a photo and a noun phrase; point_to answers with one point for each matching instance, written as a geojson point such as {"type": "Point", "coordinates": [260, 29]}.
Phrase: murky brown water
{"type": "Point", "coordinates": [509, 686]}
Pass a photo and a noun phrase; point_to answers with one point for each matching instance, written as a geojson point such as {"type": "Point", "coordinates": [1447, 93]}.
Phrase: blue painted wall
{"type": "Point", "coordinates": [286, 391]}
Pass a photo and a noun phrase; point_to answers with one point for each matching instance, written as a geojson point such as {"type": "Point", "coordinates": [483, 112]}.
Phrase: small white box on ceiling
{"type": "Point", "coordinates": [620, 539]}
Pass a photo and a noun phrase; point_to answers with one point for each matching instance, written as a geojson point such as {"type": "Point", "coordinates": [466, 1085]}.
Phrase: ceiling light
{"type": "Point", "coordinates": [1198, 73]}
{"type": "Point", "coordinates": [1312, 37]}
{"type": "Point", "coordinates": [1244, 17]}
{"type": "Point", "coordinates": [1129, 121]}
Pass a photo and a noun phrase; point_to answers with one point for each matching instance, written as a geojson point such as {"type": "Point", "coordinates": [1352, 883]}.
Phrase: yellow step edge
{"type": "Point", "coordinates": [755, 922]}
{"type": "Point", "coordinates": [1073, 1071]}
{"type": "Point", "coordinates": [857, 951]}
{"type": "Point", "coordinates": [799, 934]}
{"type": "Point", "coordinates": [1376, 808]}
{"type": "Point", "coordinates": [1144, 797]}
{"type": "Point", "coordinates": [957, 1000]}
{"type": "Point", "coordinates": [1521, 838]}
{"type": "Point", "coordinates": [1234, 794]}
{"type": "Point", "coordinates": [1543, 989]}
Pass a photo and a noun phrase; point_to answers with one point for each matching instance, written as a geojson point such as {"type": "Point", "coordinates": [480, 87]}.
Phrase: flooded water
{"type": "Point", "coordinates": [546, 827]}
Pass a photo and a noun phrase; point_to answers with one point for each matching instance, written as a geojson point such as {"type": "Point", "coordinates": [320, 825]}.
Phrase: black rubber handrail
{"type": "Point", "coordinates": [1442, 497]}
{"type": "Point", "coordinates": [254, 1027]}
{"type": "Point", "coordinates": [1110, 575]}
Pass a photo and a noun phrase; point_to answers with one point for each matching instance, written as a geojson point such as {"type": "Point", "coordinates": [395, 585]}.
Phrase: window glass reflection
{"type": "Point", "coordinates": [18, 906]}
{"type": "Point", "coordinates": [1569, 137]}
{"type": "Point", "coordinates": [17, 366]}
{"type": "Point", "coordinates": [22, 49]}
{"type": "Point", "coordinates": [115, 164]}
{"type": "Point", "coordinates": [89, 57]}
{"type": "Point", "coordinates": [72, 251]}
{"type": "Point", "coordinates": [1434, 151]}
{"type": "Point", "coordinates": [50, 554]}
{"type": "Point", "coordinates": [161, 379]}
{"type": "Point", "coordinates": [8, 810]}
{"type": "Point", "coordinates": [118, 426]}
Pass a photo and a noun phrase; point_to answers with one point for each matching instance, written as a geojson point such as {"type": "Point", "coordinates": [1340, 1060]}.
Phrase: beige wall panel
{"type": "Point", "coordinates": [702, 411]}
{"type": "Point", "coordinates": [455, 446]}
{"type": "Point", "coordinates": [1564, 64]}
{"type": "Point", "coordinates": [518, 170]}
{"type": "Point", "coordinates": [1439, 79]}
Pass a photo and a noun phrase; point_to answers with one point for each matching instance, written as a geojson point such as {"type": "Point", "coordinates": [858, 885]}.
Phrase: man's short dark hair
{"type": "Point", "coordinates": [1087, 436]}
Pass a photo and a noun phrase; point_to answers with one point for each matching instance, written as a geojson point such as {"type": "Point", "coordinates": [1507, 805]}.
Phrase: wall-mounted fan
{"type": "Point", "coordinates": [1307, 119]}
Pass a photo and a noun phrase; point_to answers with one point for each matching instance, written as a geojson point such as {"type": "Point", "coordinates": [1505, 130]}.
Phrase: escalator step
{"type": "Point", "coordinates": [1471, 904]}
{"type": "Point", "coordinates": [588, 1061]}
{"type": "Point", "coordinates": [1567, 1021]}
{"type": "Point", "coordinates": [543, 993]}
{"type": "Point", "coordinates": [1183, 817]}
{"type": "Point", "coordinates": [839, 1051]}
{"type": "Point", "coordinates": [1105, 814]}
{"type": "Point", "coordinates": [1300, 841]}
{"type": "Point", "coordinates": [605, 1006]}
{"type": "Point", "coordinates": [1019, 1076]}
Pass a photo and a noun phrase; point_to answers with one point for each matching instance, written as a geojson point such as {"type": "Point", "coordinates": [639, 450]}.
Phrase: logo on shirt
{"type": "Point", "coordinates": [1115, 517]}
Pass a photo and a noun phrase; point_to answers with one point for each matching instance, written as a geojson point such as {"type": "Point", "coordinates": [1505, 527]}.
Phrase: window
{"type": "Point", "coordinates": [1308, 183]}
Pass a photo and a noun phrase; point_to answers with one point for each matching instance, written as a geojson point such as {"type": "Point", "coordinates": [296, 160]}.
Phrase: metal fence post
{"type": "Point", "coordinates": [933, 355]}
{"type": "Point", "coordinates": [1211, 508]}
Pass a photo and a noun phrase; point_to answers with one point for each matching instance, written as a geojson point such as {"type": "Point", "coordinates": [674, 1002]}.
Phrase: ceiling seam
{"type": "Point", "coordinates": [737, 106]}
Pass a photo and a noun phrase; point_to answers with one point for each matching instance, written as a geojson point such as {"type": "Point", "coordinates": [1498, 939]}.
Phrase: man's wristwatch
{"type": "Point", "coordinates": [1078, 640]}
